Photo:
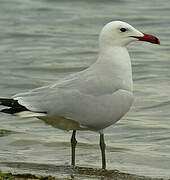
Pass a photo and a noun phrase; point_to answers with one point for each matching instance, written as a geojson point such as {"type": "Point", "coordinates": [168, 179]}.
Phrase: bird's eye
{"type": "Point", "coordinates": [123, 29]}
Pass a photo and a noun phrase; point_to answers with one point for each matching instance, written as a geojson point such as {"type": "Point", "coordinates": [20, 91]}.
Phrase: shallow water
{"type": "Point", "coordinates": [45, 40]}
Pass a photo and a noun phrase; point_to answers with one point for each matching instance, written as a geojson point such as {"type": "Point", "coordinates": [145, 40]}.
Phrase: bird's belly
{"type": "Point", "coordinates": [63, 123]}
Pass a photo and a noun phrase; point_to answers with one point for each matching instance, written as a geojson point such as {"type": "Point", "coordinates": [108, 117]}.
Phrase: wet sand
{"type": "Point", "coordinates": [51, 172]}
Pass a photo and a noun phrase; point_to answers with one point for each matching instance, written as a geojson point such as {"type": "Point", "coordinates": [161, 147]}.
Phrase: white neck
{"type": "Point", "coordinates": [116, 64]}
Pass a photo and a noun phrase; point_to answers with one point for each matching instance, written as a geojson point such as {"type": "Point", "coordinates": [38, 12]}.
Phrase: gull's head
{"type": "Point", "coordinates": [118, 33]}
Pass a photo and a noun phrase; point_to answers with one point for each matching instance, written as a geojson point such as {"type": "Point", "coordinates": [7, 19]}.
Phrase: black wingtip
{"type": "Point", "coordinates": [9, 102]}
{"type": "Point", "coordinates": [13, 110]}
{"type": "Point", "coordinates": [15, 107]}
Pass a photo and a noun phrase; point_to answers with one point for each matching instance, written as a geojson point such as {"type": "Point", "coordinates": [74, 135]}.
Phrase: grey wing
{"type": "Point", "coordinates": [40, 99]}
{"type": "Point", "coordinates": [44, 99]}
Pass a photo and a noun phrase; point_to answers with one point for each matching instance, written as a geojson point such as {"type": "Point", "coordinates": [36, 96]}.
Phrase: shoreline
{"type": "Point", "coordinates": [68, 173]}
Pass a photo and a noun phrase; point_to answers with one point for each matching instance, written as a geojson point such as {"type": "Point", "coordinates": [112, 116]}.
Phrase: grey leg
{"type": "Point", "coordinates": [73, 146]}
{"type": "Point", "coordinates": [102, 147]}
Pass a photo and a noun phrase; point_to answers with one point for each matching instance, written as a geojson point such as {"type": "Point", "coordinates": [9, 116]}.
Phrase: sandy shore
{"type": "Point", "coordinates": [67, 173]}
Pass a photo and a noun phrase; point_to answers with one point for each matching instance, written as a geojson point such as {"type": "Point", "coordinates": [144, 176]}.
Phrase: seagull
{"type": "Point", "coordinates": [92, 99]}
